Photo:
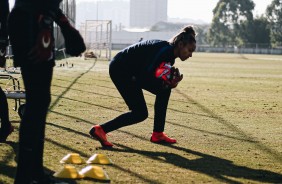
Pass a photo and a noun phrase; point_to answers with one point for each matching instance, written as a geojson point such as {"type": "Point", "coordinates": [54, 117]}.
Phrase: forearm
{"type": "Point", "coordinates": [74, 42]}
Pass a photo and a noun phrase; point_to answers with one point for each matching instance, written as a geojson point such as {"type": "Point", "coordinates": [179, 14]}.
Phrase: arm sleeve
{"type": "Point", "coordinates": [160, 57]}
{"type": "Point", "coordinates": [150, 81]}
{"type": "Point", "coordinates": [4, 12]}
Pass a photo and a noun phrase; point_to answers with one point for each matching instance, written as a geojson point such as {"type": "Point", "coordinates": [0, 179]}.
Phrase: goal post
{"type": "Point", "coordinates": [97, 35]}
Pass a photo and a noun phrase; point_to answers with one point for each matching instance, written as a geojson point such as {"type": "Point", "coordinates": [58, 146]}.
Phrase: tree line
{"type": "Point", "coordinates": [233, 22]}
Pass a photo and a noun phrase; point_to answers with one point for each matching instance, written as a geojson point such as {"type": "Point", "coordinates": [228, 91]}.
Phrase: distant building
{"type": "Point", "coordinates": [145, 13]}
{"type": "Point", "coordinates": [115, 10]}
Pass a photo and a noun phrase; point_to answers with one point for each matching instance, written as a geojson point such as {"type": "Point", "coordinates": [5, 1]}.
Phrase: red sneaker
{"type": "Point", "coordinates": [160, 137]}
{"type": "Point", "coordinates": [4, 135]}
{"type": "Point", "coordinates": [98, 133]}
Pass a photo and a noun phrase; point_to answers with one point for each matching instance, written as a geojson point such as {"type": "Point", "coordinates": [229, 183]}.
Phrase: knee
{"type": "Point", "coordinates": [140, 115]}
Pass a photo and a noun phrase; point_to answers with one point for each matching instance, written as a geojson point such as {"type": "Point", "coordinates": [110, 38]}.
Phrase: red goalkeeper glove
{"type": "Point", "coordinates": [73, 40]}
{"type": "Point", "coordinates": [175, 78]}
{"type": "Point", "coordinates": [44, 45]}
{"type": "Point", "coordinates": [169, 75]}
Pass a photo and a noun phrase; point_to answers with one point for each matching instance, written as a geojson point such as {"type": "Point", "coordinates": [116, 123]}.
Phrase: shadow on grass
{"type": "Point", "coordinates": [84, 83]}
{"type": "Point", "coordinates": [169, 122]}
{"type": "Point", "coordinates": [277, 156]}
{"type": "Point", "coordinates": [172, 123]}
{"type": "Point", "coordinates": [175, 124]}
{"type": "Point", "coordinates": [119, 97]}
{"type": "Point", "coordinates": [107, 87]}
{"type": "Point", "coordinates": [242, 135]}
{"type": "Point", "coordinates": [212, 133]}
{"type": "Point", "coordinates": [91, 104]}
{"type": "Point", "coordinates": [143, 178]}
{"type": "Point", "coordinates": [69, 87]}
{"type": "Point", "coordinates": [212, 166]}
{"type": "Point", "coordinates": [90, 92]}
{"type": "Point", "coordinates": [10, 171]}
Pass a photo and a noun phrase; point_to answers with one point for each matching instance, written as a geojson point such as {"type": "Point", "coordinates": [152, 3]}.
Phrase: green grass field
{"type": "Point", "coordinates": [226, 115]}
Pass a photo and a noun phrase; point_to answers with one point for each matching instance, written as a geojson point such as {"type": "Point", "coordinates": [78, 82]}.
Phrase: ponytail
{"type": "Point", "coordinates": [186, 35]}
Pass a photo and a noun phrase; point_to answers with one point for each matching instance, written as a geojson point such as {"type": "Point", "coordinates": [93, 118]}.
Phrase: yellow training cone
{"type": "Point", "coordinates": [95, 172]}
{"type": "Point", "coordinates": [99, 159]}
{"type": "Point", "coordinates": [72, 158]}
{"type": "Point", "coordinates": [68, 171]}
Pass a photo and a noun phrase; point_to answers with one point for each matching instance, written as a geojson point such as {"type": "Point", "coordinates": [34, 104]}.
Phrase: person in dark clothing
{"type": "Point", "coordinates": [4, 12]}
{"type": "Point", "coordinates": [144, 65]}
{"type": "Point", "coordinates": [30, 27]}
{"type": "Point", "coordinates": [6, 127]}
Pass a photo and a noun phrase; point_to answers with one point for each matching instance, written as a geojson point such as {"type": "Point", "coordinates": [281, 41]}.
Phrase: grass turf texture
{"type": "Point", "coordinates": [226, 115]}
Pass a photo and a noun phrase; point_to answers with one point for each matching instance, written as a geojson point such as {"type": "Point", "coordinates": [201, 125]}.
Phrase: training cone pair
{"type": "Point", "coordinates": [74, 158]}
{"type": "Point", "coordinates": [95, 172]}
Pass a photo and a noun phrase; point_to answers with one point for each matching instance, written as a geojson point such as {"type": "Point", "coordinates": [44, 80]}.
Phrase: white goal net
{"type": "Point", "coordinates": [97, 36]}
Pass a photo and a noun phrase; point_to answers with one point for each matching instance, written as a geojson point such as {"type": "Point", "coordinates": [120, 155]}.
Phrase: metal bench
{"type": "Point", "coordinates": [14, 91]}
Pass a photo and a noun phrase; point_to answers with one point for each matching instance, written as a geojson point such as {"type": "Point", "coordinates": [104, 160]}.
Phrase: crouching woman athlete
{"type": "Point", "coordinates": [147, 65]}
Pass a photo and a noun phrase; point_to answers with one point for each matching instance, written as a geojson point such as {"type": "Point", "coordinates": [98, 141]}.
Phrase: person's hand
{"type": "Point", "coordinates": [175, 78]}
{"type": "Point", "coordinates": [44, 45]}
{"type": "Point", "coordinates": [3, 45]}
{"type": "Point", "coordinates": [73, 40]}
{"type": "Point", "coordinates": [169, 75]}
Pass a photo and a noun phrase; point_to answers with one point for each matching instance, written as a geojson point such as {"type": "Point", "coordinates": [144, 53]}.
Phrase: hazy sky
{"type": "Point", "coordinates": [200, 9]}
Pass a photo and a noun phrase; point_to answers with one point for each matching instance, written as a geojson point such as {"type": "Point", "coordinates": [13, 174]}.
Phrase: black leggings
{"type": "Point", "coordinates": [133, 96]}
{"type": "Point", "coordinates": [4, 112]}
{"type": "Point", "coordinates": [37, 81]}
